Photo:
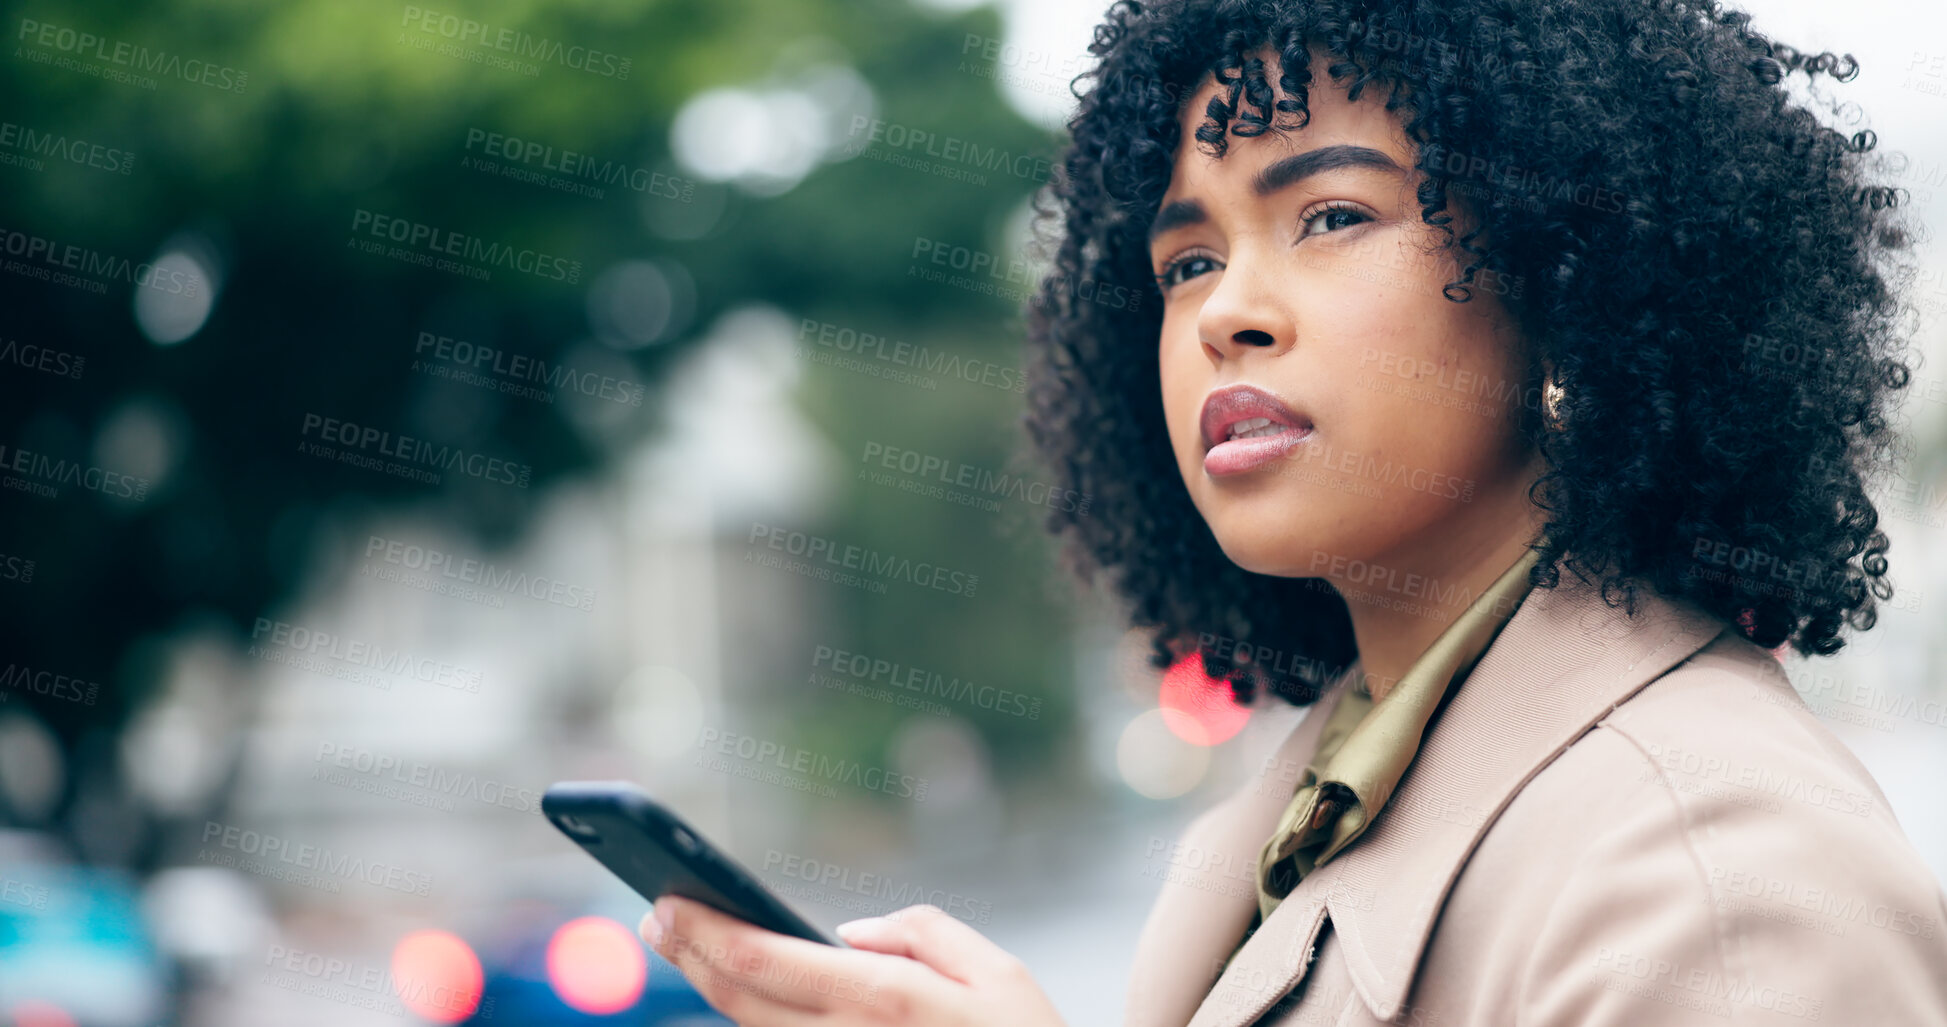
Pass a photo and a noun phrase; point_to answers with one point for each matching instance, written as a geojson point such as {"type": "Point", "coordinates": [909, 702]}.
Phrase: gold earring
{"type": "Point", "coordinates": [1552, 394]}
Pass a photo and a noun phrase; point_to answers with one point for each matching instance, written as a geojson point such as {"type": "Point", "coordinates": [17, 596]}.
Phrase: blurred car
{"type": "Point", "coordinates": [74, 947]}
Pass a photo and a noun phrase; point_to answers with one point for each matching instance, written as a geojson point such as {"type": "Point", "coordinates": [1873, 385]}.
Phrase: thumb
{"type": "Point", "coordinates": [928, 935]}
{"type": "Point", "coordinates": [875, 934]}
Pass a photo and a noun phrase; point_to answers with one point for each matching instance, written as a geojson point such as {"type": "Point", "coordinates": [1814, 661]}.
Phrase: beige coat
{"type": "Point", "coordinates": [1615, 821]}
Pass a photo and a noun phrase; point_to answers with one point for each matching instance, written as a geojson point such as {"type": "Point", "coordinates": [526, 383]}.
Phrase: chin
{"type": "Point", "coordinates": [1261, 526]}
{"type": "Point", "coordinates": [1281, 549]}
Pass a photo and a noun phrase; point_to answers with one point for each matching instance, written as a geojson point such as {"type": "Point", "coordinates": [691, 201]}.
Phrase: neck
{"type": "Point", "coordinates": [1422, 588]}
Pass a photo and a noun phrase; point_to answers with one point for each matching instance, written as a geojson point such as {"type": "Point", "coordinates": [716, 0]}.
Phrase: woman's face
{"type": "Point", "coordinates": [1298, 265]}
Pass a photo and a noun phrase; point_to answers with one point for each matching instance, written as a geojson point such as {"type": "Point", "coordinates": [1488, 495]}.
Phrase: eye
{"type": "Point", "coordinates": [1331, 218]}
{"type": "Point", "coordinates": [1189, 264]}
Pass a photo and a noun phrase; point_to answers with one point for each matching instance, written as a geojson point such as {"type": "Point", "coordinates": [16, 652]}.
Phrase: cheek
{"type": "Point", "coordinates": [1183, 371]}
{"type": "Point", "coordinates": [1440, 393]}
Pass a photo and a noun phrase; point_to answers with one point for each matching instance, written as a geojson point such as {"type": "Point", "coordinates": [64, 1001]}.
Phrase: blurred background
{"type": "Point", "coordinates": [406, 406]}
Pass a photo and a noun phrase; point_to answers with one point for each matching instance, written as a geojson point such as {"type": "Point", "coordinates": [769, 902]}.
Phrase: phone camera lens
{"type": "Point", "coordinates": [684, 841]}
{"type": "Point", "coordinates": [577, 827]}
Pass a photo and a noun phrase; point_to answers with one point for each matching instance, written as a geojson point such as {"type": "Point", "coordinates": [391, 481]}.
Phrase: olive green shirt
{"type": "Point", "coordinates": [1365, 748]}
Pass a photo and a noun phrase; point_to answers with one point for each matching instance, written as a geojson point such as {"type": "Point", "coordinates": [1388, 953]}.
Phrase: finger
{"type": "Point", "coordinates": [929, 935]}
{"type": "Point", "coordinates": [875, 934]}
{"type": "Point", "coordinates": [753, 975]}
{"type": "Point", "coordinates": [722, 957]}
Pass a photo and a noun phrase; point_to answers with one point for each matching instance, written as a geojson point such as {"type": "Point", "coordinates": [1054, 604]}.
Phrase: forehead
{"type": "Point", "coordinates": [1334, 119]}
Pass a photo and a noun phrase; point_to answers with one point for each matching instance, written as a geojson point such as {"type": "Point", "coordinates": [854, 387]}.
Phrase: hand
{"type": "Point", "coordinates": [916, 966]}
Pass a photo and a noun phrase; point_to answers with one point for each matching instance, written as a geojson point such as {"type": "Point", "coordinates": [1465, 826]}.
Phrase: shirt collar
{"type": "Point", "coordinates": [1565, 659]}
{"type": "Point", "coordinates": [1375, 755]}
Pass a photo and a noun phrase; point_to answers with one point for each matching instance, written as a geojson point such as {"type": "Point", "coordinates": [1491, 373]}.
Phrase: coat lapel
{"type": "Point", "coordinates": [1562, 663]}
{"type": "Point", "coordinates": [1210, 894]}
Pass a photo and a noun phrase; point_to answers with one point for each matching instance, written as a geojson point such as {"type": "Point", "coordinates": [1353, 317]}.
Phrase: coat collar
{"type": "Point", "coordinates": [1564, 661]}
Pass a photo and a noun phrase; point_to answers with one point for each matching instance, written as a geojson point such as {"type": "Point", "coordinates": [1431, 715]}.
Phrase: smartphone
{"type": "Point", "coordinates": [654, 852]}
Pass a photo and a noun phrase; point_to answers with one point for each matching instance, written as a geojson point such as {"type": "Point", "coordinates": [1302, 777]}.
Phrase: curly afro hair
{"type": "Point", "coordinates": [1707, 269]}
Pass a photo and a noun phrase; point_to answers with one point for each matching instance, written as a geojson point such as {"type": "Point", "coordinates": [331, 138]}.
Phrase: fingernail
{"type": "Point", "coordinates": [850, 926]}
{"type": "Point", "coordinates": [666, 914]}
{"type": "Point", "coordinates": [652, 929]}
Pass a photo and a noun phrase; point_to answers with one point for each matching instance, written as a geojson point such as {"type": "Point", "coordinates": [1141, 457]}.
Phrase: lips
{"type": "Point", "coordinates": [1265, 428]}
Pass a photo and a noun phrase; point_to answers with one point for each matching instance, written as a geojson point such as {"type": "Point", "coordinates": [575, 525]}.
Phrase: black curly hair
{"type": "Point", "coordinates": [1707, 269]}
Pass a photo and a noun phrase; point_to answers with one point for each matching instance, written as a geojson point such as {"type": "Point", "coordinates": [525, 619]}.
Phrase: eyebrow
{"type": "Point", "coordinates": [1277, 175]}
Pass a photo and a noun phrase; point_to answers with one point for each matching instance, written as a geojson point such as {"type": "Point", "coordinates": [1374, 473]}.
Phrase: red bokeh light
{"type": "Point", "coordinates": [596, 965]}
{"type": "Point", "coordinates": [35, 1013]}
{"type": "Point", "coordinates": [1198, 708]}
{"type": "Point", "coordinates": [437, 976]}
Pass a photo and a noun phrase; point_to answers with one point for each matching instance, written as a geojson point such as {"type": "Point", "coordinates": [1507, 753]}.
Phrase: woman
{"type": "Point", "coordinates": [1450, 298]}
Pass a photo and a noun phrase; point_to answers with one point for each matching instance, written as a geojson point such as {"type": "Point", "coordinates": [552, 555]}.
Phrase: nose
{"type": "Point", "coordinates": [1246, 311]}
